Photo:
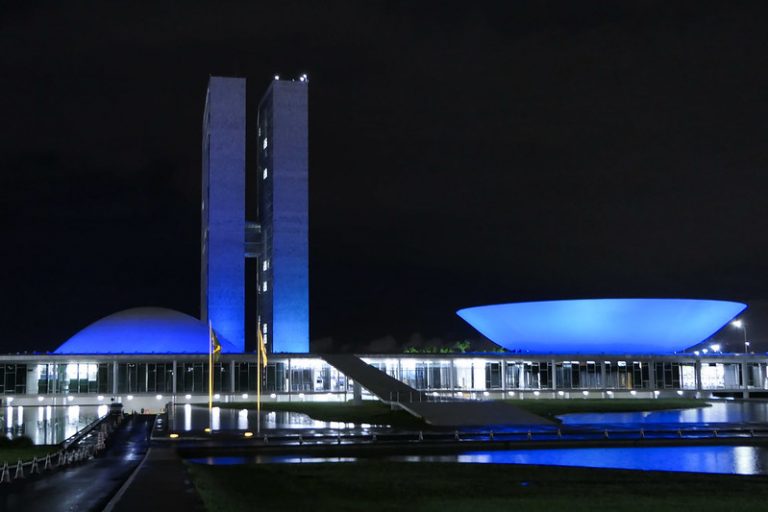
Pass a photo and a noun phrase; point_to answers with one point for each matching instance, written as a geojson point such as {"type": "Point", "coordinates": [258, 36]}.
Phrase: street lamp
{"type": "Point", "coordinates": [739, 324]}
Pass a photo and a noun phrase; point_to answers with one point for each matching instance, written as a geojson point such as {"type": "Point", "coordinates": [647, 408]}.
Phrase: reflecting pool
{"type": "Point", "coordinates": [188, 418]}
{"type": "Point", "coordinates": [48, 424]}
{"type": "Point", "coordinates": [740, 460]}
{"type": "Point", "coordinates": [719, 412]}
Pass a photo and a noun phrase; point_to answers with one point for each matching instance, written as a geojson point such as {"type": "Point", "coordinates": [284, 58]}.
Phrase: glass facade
{"type": "Point", "coordinates": [443, 373]}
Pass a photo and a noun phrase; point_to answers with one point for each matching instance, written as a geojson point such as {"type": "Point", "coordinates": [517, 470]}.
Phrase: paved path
{"type": "Point", "coordinates": [163, 482]}
{"type": "Point", "coordinates": [86, 487]}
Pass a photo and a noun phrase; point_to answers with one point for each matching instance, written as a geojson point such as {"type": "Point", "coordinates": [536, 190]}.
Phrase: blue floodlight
{"type": "Point", "coordinates": [143, 331]}
{"type": "Point", "coordinates": [602, 326]}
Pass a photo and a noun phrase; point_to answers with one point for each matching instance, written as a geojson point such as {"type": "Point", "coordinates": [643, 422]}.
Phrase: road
{"type": "Point", "coordinates": [85, 487]}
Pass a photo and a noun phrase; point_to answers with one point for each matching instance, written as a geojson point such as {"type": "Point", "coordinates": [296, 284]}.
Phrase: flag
{"type": "Point", "coordinates": [262, 349]}
{"type": "Point", "coordinates": [215, 345]}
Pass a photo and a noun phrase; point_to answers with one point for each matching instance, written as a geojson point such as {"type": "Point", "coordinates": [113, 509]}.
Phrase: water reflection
{"type": "Point", "coordinates": [719, 412]}
{"type": "Point", "coordinates": [47, 424]}
{"type": "Point", "coordinates": [741, 460]}
{"type": "Point", "coordinates": [196, 418]}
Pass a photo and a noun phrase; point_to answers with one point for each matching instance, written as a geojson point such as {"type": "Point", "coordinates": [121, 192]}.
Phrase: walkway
{"type": "Point", "coordinates": [162, 481]}
{"type": "Point", "coordinates": [86, 487]}
{"type": "Point", "coordinates": [440, 413]}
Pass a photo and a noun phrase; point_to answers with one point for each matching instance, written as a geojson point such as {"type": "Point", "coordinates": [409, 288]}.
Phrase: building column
{"type": "Point", "coordinates": [553, 374]}
{"type": "Point", "coordinates": [651, 375]}
{"type": "Point", "coordinates": [697, 371]}
{"type": "Point", "coordinates": [173, 383]}
{"type": "Point", "coordinates": [114, 377]}
{"type": "Point", "coordinates": [744, 388]}
{"type": "Point", "coordinates": [503, 375]}
{"type": "Point", "coordinates": [603, 380]}
{"type": "Point", "coordinates": [232, 376]}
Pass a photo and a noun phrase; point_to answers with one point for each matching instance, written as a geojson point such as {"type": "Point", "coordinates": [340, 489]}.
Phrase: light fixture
{"type": "Point", "coordinates": [40, 398]}
{"type": "Point", "coordinates": [216, 396]}
{"type": "Point", "coordinates": [159, 397]}
{"type": "Point", "coordinates": [174, 435]}
{"type": "Point", "coordinates": [245, 395]}
{"type": "Point", "coordinates": [248, 434]}
{"type": "Point", "coordinates": [100, 398]}
{"type": "Point", "coordinates": [70, 398]}
{"type": "Point", "coordinates": [187, 396]}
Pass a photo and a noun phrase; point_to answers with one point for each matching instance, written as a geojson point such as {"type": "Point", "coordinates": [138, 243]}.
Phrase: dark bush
{"type": "Point", "coordinates": [21, 442]}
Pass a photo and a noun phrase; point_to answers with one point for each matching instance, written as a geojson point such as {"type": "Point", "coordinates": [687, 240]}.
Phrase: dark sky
{"type": "Point", "coordinates": [460, 154]}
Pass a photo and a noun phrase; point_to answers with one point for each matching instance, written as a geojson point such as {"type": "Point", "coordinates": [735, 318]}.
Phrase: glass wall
{"type": "Point", "coordinates": [13, 378]}
{"type": "Point", "coordinates": [72, 378]}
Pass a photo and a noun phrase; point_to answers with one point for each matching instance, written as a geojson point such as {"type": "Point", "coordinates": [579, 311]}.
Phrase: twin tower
{"type": "Point", "coordinates": [277, 243]}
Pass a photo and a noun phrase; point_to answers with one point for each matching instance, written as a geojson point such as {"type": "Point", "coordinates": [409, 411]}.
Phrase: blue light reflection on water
{"type": "Point", "coordinates": [741, 460]}
{"type": "Point", "coordinates": [719, 412]}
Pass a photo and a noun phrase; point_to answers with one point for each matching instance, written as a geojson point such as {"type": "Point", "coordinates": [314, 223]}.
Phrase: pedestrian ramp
{"type": "Point", "coordinates": [437, 411]}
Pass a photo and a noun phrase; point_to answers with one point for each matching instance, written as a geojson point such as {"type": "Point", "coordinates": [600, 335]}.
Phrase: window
{"type": "Point", "coordinates": [264, 174]}
{"type": "Point", "coordinates": [265, 265]}
{"type": "Point", "coordinates": [264, 145]}
{"type": "Point", "coordinates": [264, 287]}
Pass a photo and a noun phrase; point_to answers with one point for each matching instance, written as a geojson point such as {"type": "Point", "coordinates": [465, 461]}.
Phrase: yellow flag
{"type": "Point", "coordinates": [262, 349]}
{"type": "Point", "coordinates": [215, 345]}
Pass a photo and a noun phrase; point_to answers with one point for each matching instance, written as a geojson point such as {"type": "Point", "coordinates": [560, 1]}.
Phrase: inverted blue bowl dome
{"type": "Point", "coordinates": [143, 331]}
{"type": "Point", "coordinates": [602, 326]}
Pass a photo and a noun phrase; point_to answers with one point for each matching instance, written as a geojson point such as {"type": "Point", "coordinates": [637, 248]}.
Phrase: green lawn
{"type": "Point", "coordinates": [379, 413]}
{"type": "Point", "coordinates": [447, 487]}
{"type": "Point", "coordinates": [12, 455]}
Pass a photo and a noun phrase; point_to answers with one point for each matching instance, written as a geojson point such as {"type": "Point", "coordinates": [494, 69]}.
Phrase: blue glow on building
{"type": "Point", "coordinates": [602, 326]}
{"type": "Point", "coordinates": [143, 331]}
{"type": "Point", "coordinates": [222, 272]}
{"type": "Point", "coordinates": [284, 217]}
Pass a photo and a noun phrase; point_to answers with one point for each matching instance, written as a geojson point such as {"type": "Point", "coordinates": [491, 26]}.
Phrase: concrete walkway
{"type": "Point", "coordinates": [161, 483]}
{"type": "Point", "coordinates": [442, 412]}
{"type": "Point", "coordinates": [85, 487]}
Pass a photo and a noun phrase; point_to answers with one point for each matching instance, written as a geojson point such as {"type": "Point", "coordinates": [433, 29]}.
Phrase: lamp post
{"type": "Point", "coordinates": [739, 324]}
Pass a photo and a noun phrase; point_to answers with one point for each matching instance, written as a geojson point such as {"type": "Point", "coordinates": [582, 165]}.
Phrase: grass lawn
{"type": "Point", "coordinates": [446, 487]}
{"type": "Point", "coordinates": [378, 413]}
{"type": "Point", "coordinates": [12, 455]}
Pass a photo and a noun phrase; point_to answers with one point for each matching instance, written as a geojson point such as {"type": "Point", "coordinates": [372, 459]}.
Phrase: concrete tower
{"type": "Point", "coordinates": [222, 272]}
{"type": "Point", "coordinates": [284, 216]}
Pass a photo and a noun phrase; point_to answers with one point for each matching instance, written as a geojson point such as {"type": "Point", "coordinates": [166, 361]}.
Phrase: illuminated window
{"type": "Point", "coordinates": [264, 145]}
{"type": "Point", "coordinates": [265, 265]}
{"type": "Point", "coordinates": [264, 174]}
{"type": "Point", "coordinates": [265, 328]}
{"type": "Point", "coordinates": [264, 286]}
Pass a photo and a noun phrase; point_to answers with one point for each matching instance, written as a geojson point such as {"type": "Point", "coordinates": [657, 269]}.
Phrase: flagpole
{"type": "Point", "coordinates": [210, 378]}
{"type": "Point", "coordinates": [258, 384]}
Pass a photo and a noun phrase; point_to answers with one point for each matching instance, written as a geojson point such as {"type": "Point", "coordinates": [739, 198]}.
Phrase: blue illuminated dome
{"type": "Point", "coordinates": [602, 326]}
{"type": "Point", "coordinates": [142, 331]}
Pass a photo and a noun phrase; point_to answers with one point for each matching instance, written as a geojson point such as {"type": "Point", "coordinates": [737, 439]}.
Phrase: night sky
{"type": "Point", "coordinates": [460, 154]}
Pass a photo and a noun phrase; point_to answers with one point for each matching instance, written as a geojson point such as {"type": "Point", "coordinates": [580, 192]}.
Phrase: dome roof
{"type": "Point", "coordinates": [602, 326]}
{"type": "Point", "coordinates": [142, 331]}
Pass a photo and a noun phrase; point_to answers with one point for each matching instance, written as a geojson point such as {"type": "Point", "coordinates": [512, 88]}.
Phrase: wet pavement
{"type": "Point", "coordinates": [88, 486]}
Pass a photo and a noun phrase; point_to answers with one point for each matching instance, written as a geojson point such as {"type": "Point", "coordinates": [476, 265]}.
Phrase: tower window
{"type": "Point", "coordinates": [264, 174]}
{"type": "Point", "coordinates": [264, 144]}
{"type": "Point", "coordinates": [264, 287]}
